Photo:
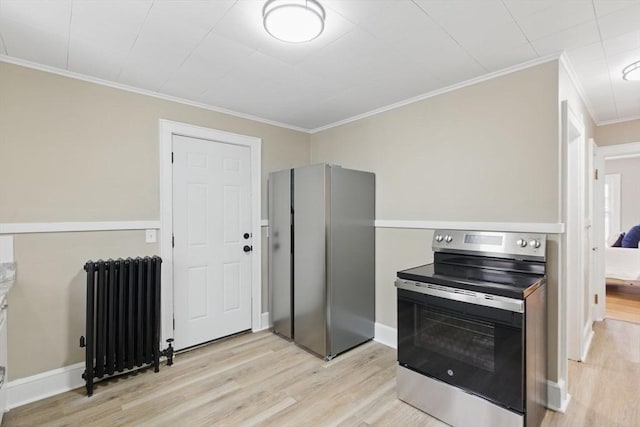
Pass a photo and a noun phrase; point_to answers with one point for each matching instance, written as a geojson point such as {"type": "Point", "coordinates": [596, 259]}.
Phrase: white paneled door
{"type": "Point", "coordinates": [212, 240]}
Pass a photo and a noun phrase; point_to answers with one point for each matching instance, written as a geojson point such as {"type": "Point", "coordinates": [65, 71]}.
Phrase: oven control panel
{"type": "Point", "coordinates": [494, 243]}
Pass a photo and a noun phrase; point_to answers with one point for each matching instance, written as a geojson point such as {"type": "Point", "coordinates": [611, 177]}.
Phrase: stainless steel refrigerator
{"type": "Point", "coordinates": [322, 257]}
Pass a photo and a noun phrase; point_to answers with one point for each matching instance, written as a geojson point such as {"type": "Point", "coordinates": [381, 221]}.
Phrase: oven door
{"type": "Point", "coordinates": [476, 348]}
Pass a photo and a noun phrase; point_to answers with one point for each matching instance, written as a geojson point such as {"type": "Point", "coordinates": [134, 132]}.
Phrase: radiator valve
{"type": "Point", "coordinates": [168, 352]}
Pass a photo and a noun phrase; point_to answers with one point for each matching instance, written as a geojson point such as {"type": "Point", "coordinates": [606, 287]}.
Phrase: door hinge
{"type": "Point", "coordinates": [595, 299]}
{"type": "Point", "coordinates": [172, 157]}
{"type": "Point", "coordinates": [174, 323]}
{"type": "Point", "coordinates": [595, 174]}
{"type": "Point", "coordinates": [173, 241]}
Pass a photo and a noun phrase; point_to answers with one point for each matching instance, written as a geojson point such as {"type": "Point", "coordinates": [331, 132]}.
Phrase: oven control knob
{"type": "Point", "coordinates": [439, 237]}
{"type": "Point", "coordinates": [448, 238]}
{"type": "Point", "coordinates": [522, 243]}
{"type": "Point", "coordinates": [534, 243]}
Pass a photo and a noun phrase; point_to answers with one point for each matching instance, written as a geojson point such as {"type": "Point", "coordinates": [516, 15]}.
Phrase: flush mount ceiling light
{"type": "Point", "coordinates": [632, 71]}
{"type": "Point", "coordinates": [293, 21]}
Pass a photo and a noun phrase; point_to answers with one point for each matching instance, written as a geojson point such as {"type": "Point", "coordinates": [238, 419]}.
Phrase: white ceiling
{"type": "Point", "coordinates": [373, 53]}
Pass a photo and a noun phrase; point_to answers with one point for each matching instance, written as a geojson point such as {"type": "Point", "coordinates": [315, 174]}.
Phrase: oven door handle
{"type": "Point", "coordinates": [462, 295]}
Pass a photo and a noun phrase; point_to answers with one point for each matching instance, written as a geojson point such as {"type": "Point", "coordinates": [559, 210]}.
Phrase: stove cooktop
{"type": "Point", "coordinates": [490, 281]}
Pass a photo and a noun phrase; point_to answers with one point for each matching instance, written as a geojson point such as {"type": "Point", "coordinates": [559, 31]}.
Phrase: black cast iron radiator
{"type": "Point", "coordinates": [123, 318]}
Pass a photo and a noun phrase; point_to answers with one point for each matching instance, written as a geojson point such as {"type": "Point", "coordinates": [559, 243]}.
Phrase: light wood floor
{"type": "Point", "coordinates": [623, 302]}
{"type": "Point", "coordinates": [605, 390]}
{"type": "Point", "coordinates": [261, 379]}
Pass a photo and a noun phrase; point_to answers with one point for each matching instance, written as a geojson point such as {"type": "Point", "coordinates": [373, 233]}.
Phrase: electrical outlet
{"type": "Point", "coordinates": [150, 236]}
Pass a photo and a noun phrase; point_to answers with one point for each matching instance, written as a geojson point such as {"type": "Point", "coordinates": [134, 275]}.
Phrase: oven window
{"type": "Point", "coordinates": [476, 348]}
{"type": "Point", "coordinates": [468, 341]}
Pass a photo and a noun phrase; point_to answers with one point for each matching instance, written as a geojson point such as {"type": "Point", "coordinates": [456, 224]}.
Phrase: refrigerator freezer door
{"type": "Point", "coordinates": [309, 270]}
{"type": "Point", "coordinates": [280, 263]}
{"type": "Point", "coordinates": [351, 259]}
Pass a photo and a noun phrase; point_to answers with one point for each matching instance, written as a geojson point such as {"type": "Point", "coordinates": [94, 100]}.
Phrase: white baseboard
{"type": "Point", "coordinates": [587, 340]}
{"type": "Point", "coordinates": [557, 396]}
{"type": "Point", "coordinates": [382, 333]}
{"type": "Point", "coordinates": [47, 384]}
{"type": "Point", "coordinates": [386, 335]}
{"type": "Point", "coordinates": [265, 322]}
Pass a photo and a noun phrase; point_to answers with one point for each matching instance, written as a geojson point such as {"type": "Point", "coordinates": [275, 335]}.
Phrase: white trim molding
{"type": "Point", "coordinates": [77, 76]}
{"type": "Point", "coordinates": [69, 227]}
{"type": "Point", "coordinates": [616, 121]}
{"type": "Point", "coordinates": [619, 151]}
{"type": "Point", "coordinates": [265, 322]}
{"type": "Point", "coordinates": [470, 82]}
{"type": "Point", "coordinates": [120, 86]}
{"type": "Point", "coordinates": [587, 338]}
{"type": "Point", "coordinates": [609, 152]}
{"type": "Point", "coordinates": [158, 95]}
{"type": "Point", "coordinates": [524, 227]}
{"type": "Point", "coordinates": [557, 396]}
{"type": "Point", "coordinates": [573, 77]}
{"type": "Point", "coordinates": [166, 131]}
{"type": "Point", "coordinates": [385, 335]}
{"type": "Point", "coordinates": [47, 384]}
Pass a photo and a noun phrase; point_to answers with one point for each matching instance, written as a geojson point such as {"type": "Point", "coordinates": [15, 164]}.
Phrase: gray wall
{"type": "Point", "coordinates": [629, 170]}
{"type": "Point", "coordinates": [618, 133]}
{"type": "Point", "coordinates": [487, 152]}
{"type": "Point", "coordinates": [624, 133]}
{"type": "Point", "coordinates": [76, 151]}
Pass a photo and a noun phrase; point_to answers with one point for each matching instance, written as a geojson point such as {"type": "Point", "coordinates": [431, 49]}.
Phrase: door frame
{"type": "Point", "coordinates": [598, 242]}
{"type": "Point", "coordinates": [608, 152]}
{"type": "Point", "coordinates": [574, 145]}
{"type": "Point", "coordinates": [167, 129]}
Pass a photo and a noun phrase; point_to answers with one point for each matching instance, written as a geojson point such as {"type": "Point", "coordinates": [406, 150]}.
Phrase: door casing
{"type": "Point", "coordinates": [607, 152]}
{"type": "Point", "coordinates": [167, 129]}
{"type": "Point", "coordinates": [575, 294]}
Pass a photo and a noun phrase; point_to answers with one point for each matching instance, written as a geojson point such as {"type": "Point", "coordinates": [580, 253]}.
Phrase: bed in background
{"type": "Point", "coordinates": [622, 258]}
{"type": "Point", "coordinates": [622, 266]}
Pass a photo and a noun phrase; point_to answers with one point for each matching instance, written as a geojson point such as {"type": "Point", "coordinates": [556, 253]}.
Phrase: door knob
{"type": "Point", "coordinates": [247, 248]}
{"type": "Point", "coordinates": [246, 235]}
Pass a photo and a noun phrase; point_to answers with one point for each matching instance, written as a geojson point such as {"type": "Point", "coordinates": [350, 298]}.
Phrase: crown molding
{"type": "Point", "coordinates": [470, 82]}
{"type": "Point", "coordinates": [566, 63]}
{"type": "Point", "coordinates": [561, 57]}
{"type": "Point", "coordinates": [619, 151]}
{"type": "Point", "coordinates": [616, 121]}
{"type": "Point", "coordinates": [145, 92]}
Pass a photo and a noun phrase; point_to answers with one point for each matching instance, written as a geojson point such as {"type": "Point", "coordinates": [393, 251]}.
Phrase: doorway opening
{"type": "Point", "coordinates": [621, 168]}
{"type": "Point", "coordinates": [168, 132]}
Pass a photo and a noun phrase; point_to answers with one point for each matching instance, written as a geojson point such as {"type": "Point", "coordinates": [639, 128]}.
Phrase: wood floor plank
{"type": "Point", "coordinates": [623, 302]}
{"type": "Point", "coordinates": [605, 388]}
{"type": "Point", "coordinates": [263, 380]}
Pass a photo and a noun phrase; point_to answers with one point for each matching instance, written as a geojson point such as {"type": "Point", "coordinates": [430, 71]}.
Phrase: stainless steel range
{"type": "Point", "coordinates": [472, 330]}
